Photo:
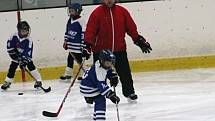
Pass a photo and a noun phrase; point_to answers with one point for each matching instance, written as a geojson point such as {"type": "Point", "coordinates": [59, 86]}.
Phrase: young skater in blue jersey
{"type": "Point", "coordinates": [94, 86]}
{"type": "Point", "coordinates": [20, 48]}
{"type": "Point", "coordinates": [73, 39]}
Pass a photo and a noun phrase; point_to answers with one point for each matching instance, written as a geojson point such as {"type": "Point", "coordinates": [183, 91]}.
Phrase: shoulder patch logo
{"type": "Point", "coordinates": [104, 85]}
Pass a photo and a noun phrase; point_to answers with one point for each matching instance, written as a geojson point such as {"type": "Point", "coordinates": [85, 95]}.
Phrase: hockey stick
{"type": "Point", "coordinates": [22, 72]}
{"type": "Point", "coordinates": [117, 108]}
{"type": "Point", "coordinates": [44, 89]}
{"type": "Point", "coordinates": [23, 75]}
{"type": "Point", "coordinates": [51, 114]}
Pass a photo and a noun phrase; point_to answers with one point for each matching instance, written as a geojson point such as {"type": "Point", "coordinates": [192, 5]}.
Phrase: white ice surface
{"type": "Point", "coordinates": [185, 95]}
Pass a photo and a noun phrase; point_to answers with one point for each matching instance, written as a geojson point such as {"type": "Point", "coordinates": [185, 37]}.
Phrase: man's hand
{"type": "Point", "coordinates": [143, 44]}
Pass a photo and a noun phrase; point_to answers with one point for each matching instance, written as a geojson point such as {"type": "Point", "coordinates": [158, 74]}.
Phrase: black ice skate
{"type": "Point", "coordinates": [38, 84]}
{"type": "Point", "coordinates": [5, 85]}
{"type": "Point", "coordinates": [132, 97]}
{"type": "Point", "coordinates": [80, 78]}
{"type": "Point", "coordinates": [89, 100]}
{"type": "Point", "coordinates": [65, 77]}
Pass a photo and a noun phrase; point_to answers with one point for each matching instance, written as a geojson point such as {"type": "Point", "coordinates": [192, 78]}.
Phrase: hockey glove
{"type": "Point", "coordinates": [86, 52]}
{"type": "Point", "coordinates": [22, 65]}
{"type": "Point", "coordinates": [113, 79]}
{"type": "Point", "coordinates": [23, 60]}
{"type": "Point", "coordinates": [143, 44]}
{"type": "Point", "coordinates": [65, 45]}
{"type": "Point", "coordinates": [113, 97]}
{"type": "Point", "coordinates": [14, 55]}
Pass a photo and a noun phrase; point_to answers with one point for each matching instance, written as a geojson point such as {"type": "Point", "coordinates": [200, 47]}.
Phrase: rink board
{"type": "Point", "coordinates": [49, 73]}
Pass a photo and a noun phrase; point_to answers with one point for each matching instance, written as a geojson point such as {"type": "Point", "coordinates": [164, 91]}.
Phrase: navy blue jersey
{"type": "Point", "coordinates": [74, 35]}
{"type": "Point", "coordinates": [17, 46]}
{"type": "Point", "coordinates": [94, 81]}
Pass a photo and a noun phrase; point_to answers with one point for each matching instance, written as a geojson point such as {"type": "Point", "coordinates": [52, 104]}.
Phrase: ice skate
{"type": "Point", "coordinates": [65, 78]}
{"type": "Point", "coordinates": [38, 84]}
{"type": "Point", "coordinates": [132, 98]}
{"type": "Point", "coordinates": [6, 85]}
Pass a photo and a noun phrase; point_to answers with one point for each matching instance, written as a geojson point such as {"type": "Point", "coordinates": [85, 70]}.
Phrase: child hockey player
{"type": "Point", "coordinates": [20, 48]}
{"type": "Point", "coordinates": [73, 39]}
{"type": "Point", "coordinates": [94, 86]}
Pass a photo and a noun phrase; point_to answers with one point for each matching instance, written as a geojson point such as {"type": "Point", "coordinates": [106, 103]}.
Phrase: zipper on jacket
{"type": "Point", "coordinates": [111, 14]}
{"type": "Point", "coordinates": [96, 41]}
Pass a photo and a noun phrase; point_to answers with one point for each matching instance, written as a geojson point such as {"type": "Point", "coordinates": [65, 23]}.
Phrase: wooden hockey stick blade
{"type": "Point", "coordinates": [46, 90]}
{"type": "Point", "coordinates": [49, 114]}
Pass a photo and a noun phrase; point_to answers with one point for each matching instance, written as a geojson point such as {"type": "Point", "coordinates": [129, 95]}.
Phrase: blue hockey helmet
{"type": "Point", "coordinates": [76, 6]}
{"type": "Point", "coordinates": [107, 59]}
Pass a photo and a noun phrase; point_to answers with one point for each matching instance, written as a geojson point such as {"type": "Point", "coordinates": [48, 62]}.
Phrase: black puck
{"type": "Point", "coordinates": [20, 93]}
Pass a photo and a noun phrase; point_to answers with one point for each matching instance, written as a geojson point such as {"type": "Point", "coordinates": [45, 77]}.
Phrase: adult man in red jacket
{"type": "Point", "coordinates": [106, 29]}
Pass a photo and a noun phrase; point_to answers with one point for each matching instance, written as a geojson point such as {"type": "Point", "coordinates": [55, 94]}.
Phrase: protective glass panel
{"type": "Point", "coordinates": [33, 4]}
{"type": "Point", "coordinates": [8, 5]}
{"type": "Point", "coordinates": [13, 5]}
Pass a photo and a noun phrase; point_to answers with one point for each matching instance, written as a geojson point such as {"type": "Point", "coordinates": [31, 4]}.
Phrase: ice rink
{"type": "Point", "coordinates": [183, 95]}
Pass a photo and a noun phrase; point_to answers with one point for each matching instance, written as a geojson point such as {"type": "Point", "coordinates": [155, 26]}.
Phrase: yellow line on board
{"type": "Point", "coordinates": [49, 73]}
{"type": "Point", "coordinates": [173, 63]}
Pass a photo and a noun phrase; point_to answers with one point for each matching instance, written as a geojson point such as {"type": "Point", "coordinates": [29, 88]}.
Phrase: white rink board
{"type": "Point", "coordinates": [175, 28]}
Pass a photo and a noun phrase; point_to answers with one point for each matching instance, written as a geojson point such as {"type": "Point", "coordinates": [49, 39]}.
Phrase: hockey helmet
{"type": "Point", "coordinates": [107, 59]}
{"type": "Point", "coordinates": [23, 25]}
{"type": "Point", "coordinates": [23, 29]}
{"type": "Point", "coordinates": [76, 6]}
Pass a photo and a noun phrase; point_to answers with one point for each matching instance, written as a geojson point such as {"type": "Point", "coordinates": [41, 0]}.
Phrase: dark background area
{"type": "Point", "coordinates": [15, 5]}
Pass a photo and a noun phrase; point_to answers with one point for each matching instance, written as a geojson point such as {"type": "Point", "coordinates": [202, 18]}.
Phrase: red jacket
{"type": "Point", "coordinates": [100, 32]}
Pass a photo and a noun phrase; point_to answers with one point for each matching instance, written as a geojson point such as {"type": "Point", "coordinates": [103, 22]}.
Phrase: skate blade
{"type": "Point", "coordinates": [65, 81]}
{"type": "Point", "coordinates": [132, 101]}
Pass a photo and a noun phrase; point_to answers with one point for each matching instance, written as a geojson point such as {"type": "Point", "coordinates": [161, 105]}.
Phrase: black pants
{"type": "Point", "coordinates": [123, 70]}
{"type": "Point", "coordinates": [14, 65]}
{"type": "Point", "coordinates": [70, 59]}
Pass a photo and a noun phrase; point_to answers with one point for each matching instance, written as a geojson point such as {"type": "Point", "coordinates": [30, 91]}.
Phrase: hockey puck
{"type": "Point", "coordinates": [20, 93]}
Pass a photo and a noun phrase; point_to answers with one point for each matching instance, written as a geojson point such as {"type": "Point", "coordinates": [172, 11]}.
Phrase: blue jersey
{"type": "Point", "coordinates": [74, 35]}
{"type": "Point", "coordinates": [94, 81]}
{"type": "Point", "coordinates": [17, 46]}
